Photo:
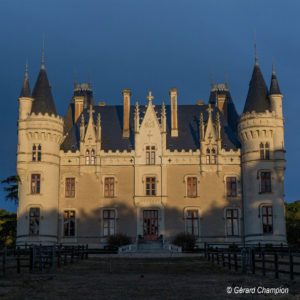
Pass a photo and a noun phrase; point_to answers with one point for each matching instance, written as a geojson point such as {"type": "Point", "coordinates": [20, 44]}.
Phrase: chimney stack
{"type": "Point", "coordinates": [174, 122]}
{"type": "Point", "coordinates": [126, 112]}
{"type": "Point", "coordinates": [78, 100]}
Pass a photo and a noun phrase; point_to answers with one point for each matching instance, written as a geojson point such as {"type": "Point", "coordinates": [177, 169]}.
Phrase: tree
{"type": "Point", "coordinates": [292, 215]}
{"type": "Point", "coordinates": [12, 189]}
{"type": "Point", "coordinates": [8, 228]}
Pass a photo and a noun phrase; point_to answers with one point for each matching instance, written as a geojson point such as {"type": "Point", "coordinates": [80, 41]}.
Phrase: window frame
{"type": "Point", "coordinates": [109, 220]}
{"type": "Point", "coordinates": [231, 194]}
{"type": "Point", "coordinates": [35, 189]}
{"type": "Point", "coordinates": [194, 218]}
{"type": "Point", "coordinates": [192, 186]}
{"type": "Point", "coordinates": [231, 220]}
{"type": "Point", "coordinates": [70, 192]}
{"type": "Point", "coordinates": [151, 180]}
{"type": "Point", "coordinates": [37, 153]}
{"type": "Point", "coordinates": [150, 155]}
{"type": "Point", "coordinates": [35, 217]}
{"type": "Point", "coordinates": [268, 216]}
{"type": "Point", "coordinates": [109, 192]}
{"type": "Point", "coordinates": [69, 221]}
{"type": "Point", "coordinates": [265, 182]}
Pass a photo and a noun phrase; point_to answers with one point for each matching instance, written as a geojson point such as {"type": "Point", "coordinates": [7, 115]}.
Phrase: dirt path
{"type": "Point", "coordinates": [139, 279]}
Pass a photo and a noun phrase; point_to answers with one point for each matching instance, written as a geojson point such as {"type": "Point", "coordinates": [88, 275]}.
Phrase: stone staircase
{"type": "Point", "coordinates": [151, 247]}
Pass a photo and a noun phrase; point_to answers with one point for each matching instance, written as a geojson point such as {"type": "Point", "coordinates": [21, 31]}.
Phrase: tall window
{"type": "Point", "coordinates": [192, 222]}
{"type": "Point", "coordinates": [232, 221]}
{"type": "Point", "coordinates": [192, 186]}
{"type": "Point", "coordinates": [34, 221]}
{"type": "Point", "coordinates": [69, 223]}
{"type": "Point", "coordinates": [264, 150]}
{"type": "Point", "coordinates": [36, 153]}
{"type": "Point", "coordinates": [150, 155]}
{"type": "Point", "coordinates": [87, 157]}
{"type": "Point", "coordinates": [265, 182]}
{"type": "Point", "coordinates": [150, 186]}
{"type": "Point", "coordinates": [109, 187]}
{"type": "Point", "coordinates": [211, 157]}
{"type": "Point", "coordinates": [109, 218]}
{"type": "Point", "coordinates": [267, 219]}
{"type": "Point", "coordinates": [70, 187]}
{"type": "Point", "coordinates": [231, 186]}
{"type": "Point", "coordinates": [35, 183]}
{"type": "Point", "coordinates": [92, 157]}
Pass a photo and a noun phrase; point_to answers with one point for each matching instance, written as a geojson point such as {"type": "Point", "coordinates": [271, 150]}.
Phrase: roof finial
{"type": "Point", "coordinates": [255, 48]}
{"type": "Point", "coordinates": [226, 80]}
{"type": "Point", "coordinates": [212, 80]}
{"type": "Point", "coordinates": [26, 68]}
{"type": "Point", "coordinates": [273, 68]}
{"type": "Point", "coordinates": [74, 78]}
{"type": "Point", "coordinates": [89, 77]}
{"type": "Point", "coordinates": [43, 53]}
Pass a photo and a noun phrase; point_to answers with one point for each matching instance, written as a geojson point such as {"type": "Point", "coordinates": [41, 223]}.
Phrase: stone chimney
{"type": "Point", "coordinates": [174, 120]}
{"type": "Point", "coordinates": [126, 113]}
{"type": "Point", "coordinates": [78, 100]}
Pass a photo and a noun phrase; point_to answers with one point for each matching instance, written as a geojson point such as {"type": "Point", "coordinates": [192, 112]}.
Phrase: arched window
{"type": "Point", "coordinates": [87, 157]}
{"type": "Point", "coordinates": [207, 156]}
{"type": "Point", "coordinates": [92, 157]}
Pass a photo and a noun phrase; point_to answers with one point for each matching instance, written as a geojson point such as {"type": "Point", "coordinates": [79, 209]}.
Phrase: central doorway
{"type": "Point", "coordinates": [150, 225]}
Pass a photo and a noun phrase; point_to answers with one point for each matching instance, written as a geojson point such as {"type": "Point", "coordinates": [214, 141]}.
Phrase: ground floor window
{"type": "Point", "coordinates": [109, 222]}
{"type": "Point", "coordinates": [232, 221]}
{"type": "Point", "coordinates": [69, 223]}
{"type": "Point", "coordinates": [150, 224]}
{"type": "Point", "coordinates": [34, 221]}
{"type": "Point", "coordinates": [192, 222]}
{"type": "Point", "coordinates": [267, 219]}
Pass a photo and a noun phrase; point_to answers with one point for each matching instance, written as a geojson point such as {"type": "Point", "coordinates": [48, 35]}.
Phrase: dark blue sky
{"type": "Point", "coordinates": [149, 45]}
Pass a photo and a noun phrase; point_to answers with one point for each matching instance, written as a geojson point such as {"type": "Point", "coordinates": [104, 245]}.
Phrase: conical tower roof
{"type": "Point", "coordinates": [25, 92]}
{"type": "Point", "coordinates": [274, 87]}
{"type": "Point", "coordinates": [43, 99]}
{"type": "Point", "coordinates": [257, 98]}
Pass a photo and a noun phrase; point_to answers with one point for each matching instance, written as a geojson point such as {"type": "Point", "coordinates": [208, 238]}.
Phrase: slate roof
{"type": "Point", "coordinates": [188, 128]}
{"type": "Point", "coordinates": [25, 92]}
{"type": "Point", "coordinates": [274, 88]}
{"type": "Point", "coordinates": [43, 99]}
{"type": "Point", "coordinates": [257, 98]}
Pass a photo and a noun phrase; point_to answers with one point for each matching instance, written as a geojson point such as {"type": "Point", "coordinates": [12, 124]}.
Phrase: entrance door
{"type": "Point", "coordinates": [150, 224]}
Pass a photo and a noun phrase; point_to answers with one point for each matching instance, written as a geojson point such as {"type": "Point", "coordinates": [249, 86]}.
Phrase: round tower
{"type": "Point", "coordinates": [40, 132]}
{"type": "Point", "coordinates": [260, 129]}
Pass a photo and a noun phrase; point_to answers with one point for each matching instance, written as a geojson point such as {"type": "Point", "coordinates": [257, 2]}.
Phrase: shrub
{"type": "Point", "coordinates": [185, 240]}
{"type": "Point", "coordinates": [118, 240]}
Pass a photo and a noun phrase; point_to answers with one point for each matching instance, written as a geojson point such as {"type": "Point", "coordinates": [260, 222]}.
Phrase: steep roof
{"type": "Point", "coordinates": [257, 98]}
{"type": "Point", "coordinates": [274, 87]}
{"type": "Point", "coordinates": [188, 127]}
{"type": "Point", "coordinates": [25, 92]}
{"type": "Point", "coordinates": [43, 99]}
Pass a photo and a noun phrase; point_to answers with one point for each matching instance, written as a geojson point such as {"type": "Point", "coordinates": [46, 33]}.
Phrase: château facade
{"type": "Point", "coordinates": [151, 171]}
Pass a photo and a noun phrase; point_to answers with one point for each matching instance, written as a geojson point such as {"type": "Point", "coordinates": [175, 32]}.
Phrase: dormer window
{"type": "Point", "coordinates": [36, 152]}
{"type": "Point", "coordinates": [87, 157]}
{"type": "Point", "coordinates": [211, 158]}
{"type": "Point", "coordinates": [90, 157]}
{"type": "Point", "coordinates": [264, 149]}
{"type": "Point", "coordinates": [150, 155]}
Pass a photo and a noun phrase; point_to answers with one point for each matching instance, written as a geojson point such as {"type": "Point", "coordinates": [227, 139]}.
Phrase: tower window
{"type": "Point", "coordinates": [211, 157]}
{"type": "Point", "coordinates": [109, 187]}
{"type": "Point", "coordinates": [87, 157]}
{"type": "Point", "coordinates": [34, 221]}
{"type": "Point", "coordinates": [35, 183]}
{"type": "Point", "coordinates": [232, 222]}
{"type": "Point", "coordinates": [192, 186]}
{"type": "Point", "coordinates": [192, 222]}
{"type": "Point", "coordinates": [36, 153]}
{"type": "Point", "coordinates": [109, 220]}
{"type": "Point", "coordinates": [69, 223]}
{"type": "Point", "coordinates": [150, 155]}
{"type": "Point", "coordinates": [92, 157]}
{"type": "Point", "coordinates": [70, 187]}
{"type": "Point", "coordinates": [150, 186]}
{"type": "Point", "coordinates": [265, 182]}
{"type": "Point", "coordinates": [264, 150]}
{"type": "Point", "coordinates": [231, 187]}
{"type": "Point", "coordinates": [267, 219]}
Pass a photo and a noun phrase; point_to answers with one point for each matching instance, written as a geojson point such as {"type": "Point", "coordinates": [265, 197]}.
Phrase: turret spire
{"type": "Point", "coordinates": [274, 87]}
{"type": "Point", "coordinates": [255, 49]}
{"type": "Point", "coordinates": [43, 54]}
{"type": "Point", "coordinates": [25, 92]}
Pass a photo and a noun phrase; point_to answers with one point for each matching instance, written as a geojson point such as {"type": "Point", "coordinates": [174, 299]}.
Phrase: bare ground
{"type": "Point", "coordinates": [129, 278]}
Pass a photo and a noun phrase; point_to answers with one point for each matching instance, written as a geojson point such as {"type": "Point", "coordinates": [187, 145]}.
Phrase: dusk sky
{"type": "Point", "coordinates": [147, 45]}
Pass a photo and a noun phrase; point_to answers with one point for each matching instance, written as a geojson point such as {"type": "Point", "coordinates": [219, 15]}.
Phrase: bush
{"type": "Point", "coordinates": [118, 240]}
{"type": "Point", "coordinates": [185, 240]}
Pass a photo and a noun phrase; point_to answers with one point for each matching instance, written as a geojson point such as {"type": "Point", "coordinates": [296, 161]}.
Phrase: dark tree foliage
{"type": "Point", "coordinates": [12, 188]}
{"type": "Point", "coordinates": [8, 228]}
{"type": "Point", "coordinates": [184, 240]}
{"type": "Point", "coordinates": [292, 215]}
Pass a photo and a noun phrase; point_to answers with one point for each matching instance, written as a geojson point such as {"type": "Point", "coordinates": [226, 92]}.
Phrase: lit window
{"type": "Point", "coordinates": [109, 187]}
{"type": "Point", "coordinates": [231, 186]}
{"type": "Point", "coordinates": [109, 218]}
{"type": "Point", "coordinates": [267, 219]}
{"type": "Point", "coordinates": [87, 157]}
{"type": "Point", "coordinates": [69, 223]}
{"type": "Point", "coordinates": [70, 187]}
{"type": "Point", "coordinates": [36, 153]}
{"type": "Point", "coordinates": [265, 182]}
{"type": "Point", "coordinates": [92, 157]}
{"type": "Point", "coordinates": [150, 186]}
{"type": "Point", "coordinates": [192, 186]}
{"type": "Point", "coordinates": [34, 221]}
{"type": "Point", "coordinates": [35, 183]}
{"type": "Point", "coordinates": [232, 222]}
{"type": "Point", "coordinates": [150, 155]}
{"type": "Point", "coordinates": [264, 150]}
{"type": "Point", "coordinates": [192, 221]}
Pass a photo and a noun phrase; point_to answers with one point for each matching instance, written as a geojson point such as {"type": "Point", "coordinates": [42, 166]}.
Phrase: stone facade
{"type": "Point", "coordinates": [151, 171]}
